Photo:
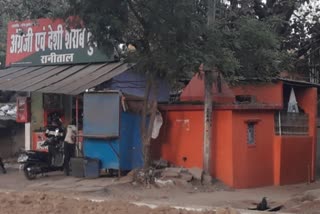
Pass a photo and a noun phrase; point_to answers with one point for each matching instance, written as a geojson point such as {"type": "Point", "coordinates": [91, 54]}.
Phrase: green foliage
{"type": "Point", "coordinates": [172, 38]}
{"type": "Point", "coordinates": [24, 9]}
{"type": "Point", "coordinates": [296, 22]}
{"type": "Point", "coordinates": [165, 33]}
{"type": "Point", "coordinates": [304, 41]}
{"type": "Point", "coordinates": [258, 50]}
{"type": "Point", "coordinates": [245, 48]}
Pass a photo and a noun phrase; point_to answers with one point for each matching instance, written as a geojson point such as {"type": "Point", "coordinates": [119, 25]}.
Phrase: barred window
{"type": "Point", "coordinates": [251, 134]}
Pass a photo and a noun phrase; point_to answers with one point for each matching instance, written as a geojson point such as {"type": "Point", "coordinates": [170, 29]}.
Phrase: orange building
{"type": "Point", "coordinates": [256, 141]}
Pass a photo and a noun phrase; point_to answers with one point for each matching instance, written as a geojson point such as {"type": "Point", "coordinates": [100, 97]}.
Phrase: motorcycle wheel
{"type": "Point", "coordinates": [28, 173]}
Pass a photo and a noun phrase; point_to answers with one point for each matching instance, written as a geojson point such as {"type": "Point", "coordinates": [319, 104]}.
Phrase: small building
{"type": "Point", "coordinates": [261, 136]}
{"type": "Point", "coordinates": [59, 68]}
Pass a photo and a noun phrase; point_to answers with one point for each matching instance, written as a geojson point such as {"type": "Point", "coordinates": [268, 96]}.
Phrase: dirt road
{"type": "Point", "coordinates": [56, 203]}
{"type": "Point", "coordinates": [112, 189]}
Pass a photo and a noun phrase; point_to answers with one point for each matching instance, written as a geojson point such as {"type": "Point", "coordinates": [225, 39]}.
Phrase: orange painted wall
{"type": "Point", "coordinates": [182, 136]}
{"type": "Point", "coordinates": [265, 93]}
{"type": "Point", "coordinates": [222, 150]}
{"type": "Point", "coordinates": [293, 160]}
{"type": "Point", "coordinates": [272, 160]}
{"type": "Point", "coordinates": [277, 160]}
{"type": "Point", "coordinates": [307, 99]}
{"type": "Point", "coordinates": [270, 93]}
{"type": "Point", "coordinates": [253, 164]}
{"type": "Point", "coordinates": [194, 91]}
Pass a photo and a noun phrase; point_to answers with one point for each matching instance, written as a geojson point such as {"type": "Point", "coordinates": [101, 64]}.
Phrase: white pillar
{"type": "Point", "coordinates": [27, 136]}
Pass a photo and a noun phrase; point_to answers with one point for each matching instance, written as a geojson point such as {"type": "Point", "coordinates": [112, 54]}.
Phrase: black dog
{"type": "Point", "coordinates": [2, 166]}
{"type": "Point", "coordinates": [262, 206]}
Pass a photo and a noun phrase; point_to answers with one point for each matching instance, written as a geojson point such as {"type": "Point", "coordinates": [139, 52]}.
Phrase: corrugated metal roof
{"type": "Point", "coordinates": [61, 79]}
{"type": "Point", "coordinates": [299, 83]}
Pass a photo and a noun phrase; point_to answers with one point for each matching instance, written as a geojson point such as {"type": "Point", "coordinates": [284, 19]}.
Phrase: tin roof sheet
{"type": "Point", "coordinates": [60, 79]}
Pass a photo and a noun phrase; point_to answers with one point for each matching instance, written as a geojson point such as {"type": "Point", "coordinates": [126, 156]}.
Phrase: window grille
{"type": "Point", "coordinates": [291, 123]}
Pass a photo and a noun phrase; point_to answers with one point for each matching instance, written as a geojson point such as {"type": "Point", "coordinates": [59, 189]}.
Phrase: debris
{"type": "Point", "coordinates": [311, 195]}
{"type": "Point", "coordinates": [206, 179]}
{"type": "Point", "coordinates": [126, 179]}
{"type": "Point", "coordinates": [160, 164]}
{"type": "Point", "coordinates": [174, 169]}
{"type": "Point", "coordinates": [146, 176]}
{"type": "Point", "coordinates": [163, 183]}
{"type": "Point", "coordinates": [171, 172]}
{"type": "Point", "coordinates": [132, 173]}
{"type": "Point", "coordinates": [186, 176]}
{"type": "Point", "coordinates": [197, 173]}
{"type": "Point", "coordinates": [180, 176]}
{"type": "Point", "coordinates": [182, 183]}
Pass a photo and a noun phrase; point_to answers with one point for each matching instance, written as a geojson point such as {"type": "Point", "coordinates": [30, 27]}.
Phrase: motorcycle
{"type": "Point", "coordinates": [39, 162]}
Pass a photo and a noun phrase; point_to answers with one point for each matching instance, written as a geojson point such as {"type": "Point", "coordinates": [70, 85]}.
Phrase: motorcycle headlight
{"type": "Point", "coordinates": [22, 158]}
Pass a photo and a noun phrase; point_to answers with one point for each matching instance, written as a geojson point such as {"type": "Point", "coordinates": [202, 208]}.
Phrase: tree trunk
{"type": "Point", "coordinates": [148, 117]}
{"type": "Point", "coordinates": [207, 136]}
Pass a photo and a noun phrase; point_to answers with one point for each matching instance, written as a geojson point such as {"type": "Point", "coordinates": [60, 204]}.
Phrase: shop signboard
{"type": "Point", "coordinates": [52, 42]}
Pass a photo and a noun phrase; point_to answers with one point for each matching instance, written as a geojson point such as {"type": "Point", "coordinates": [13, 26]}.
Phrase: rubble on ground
{"type": "Point", "coordinates": [162, 175]}
{"type": "Point", "coordinates": [307, 202]}
{"type": "Point", "coordinates": [160, 163]}
{"type": "Point", "coordinates": [168, 175]}
{"type": "Point", "coordinates": [163, 183]}
{"type": "Point", "coordinates": [171, 172]}
{"type": "Point", "coordinates": [186, 176]}
{"type": "Point", "coordinates": [167, 171]}
{"type": "Point", "coordinates": [197, 173]}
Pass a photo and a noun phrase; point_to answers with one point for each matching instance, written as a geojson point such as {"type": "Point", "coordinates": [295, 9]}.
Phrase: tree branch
{"type": "Point", "coordinates": [136, 14]}
{"type": "Point", "coordinates": [234, 3]}
{"type": "Point", "coordinates": [270, 3]}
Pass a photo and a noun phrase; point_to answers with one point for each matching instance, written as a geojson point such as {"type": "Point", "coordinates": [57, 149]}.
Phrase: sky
{"type": "Point", "coordinates": [315, 5]}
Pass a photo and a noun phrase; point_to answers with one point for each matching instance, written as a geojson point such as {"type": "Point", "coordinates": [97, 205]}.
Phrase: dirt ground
{"type": "Point", "coordinates": [38, 203]}
{"type": "Point", "coordinates": [56, 191]}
